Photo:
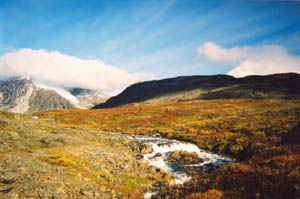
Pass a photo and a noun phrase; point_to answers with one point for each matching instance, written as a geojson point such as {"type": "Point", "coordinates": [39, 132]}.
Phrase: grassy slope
{"type": "Point", "coordinates": [250, 130]}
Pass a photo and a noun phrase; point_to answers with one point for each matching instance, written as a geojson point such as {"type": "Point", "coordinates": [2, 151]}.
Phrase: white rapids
{"type": "Point", "coordinates": [162, 147]}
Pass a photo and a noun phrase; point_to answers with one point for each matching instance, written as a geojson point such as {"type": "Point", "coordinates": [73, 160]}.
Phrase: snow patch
{"type": "Point", "coordinates": [21, 78]}
{"type": "Point", "coordinates": [60, 91]}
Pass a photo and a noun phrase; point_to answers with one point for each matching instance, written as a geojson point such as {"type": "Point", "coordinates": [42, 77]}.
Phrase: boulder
{"type": "Point", "coordinates": [140, 147]}
{"type": "Point", "coordinates": [157, 155]}
{"type": "Point", "coordinates": [184, 157]}
{"type": "Point", "coordinates": [156, 133]}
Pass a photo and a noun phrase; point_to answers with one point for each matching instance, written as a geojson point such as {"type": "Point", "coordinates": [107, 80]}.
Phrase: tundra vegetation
{"type": "Point", "coordinates": [44, 160]}
{"type": "Point", "coordinates": [250, 130]}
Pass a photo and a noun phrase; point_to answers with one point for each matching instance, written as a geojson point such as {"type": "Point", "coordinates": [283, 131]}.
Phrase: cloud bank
{"type": "Point", "coordinates": [259, 60]}
{"type": "Point", "coordinates": [63, 70]}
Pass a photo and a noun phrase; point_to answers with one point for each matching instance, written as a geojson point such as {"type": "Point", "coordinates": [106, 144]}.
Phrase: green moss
{"type": "Point", "coordinates": [131, 183]}
{"type": "Point", "coordinates": [120, 141]}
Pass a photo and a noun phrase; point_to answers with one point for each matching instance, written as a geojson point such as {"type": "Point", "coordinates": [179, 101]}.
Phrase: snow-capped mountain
{"type": "Point", "coordinates": [23, 95]}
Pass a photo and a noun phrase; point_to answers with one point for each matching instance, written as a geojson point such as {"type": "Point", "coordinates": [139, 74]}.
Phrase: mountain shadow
{"type": "Point", "coordinates": [293, 136]}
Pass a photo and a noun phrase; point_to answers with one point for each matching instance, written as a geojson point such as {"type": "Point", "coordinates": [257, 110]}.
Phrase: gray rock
{"type": "Point", "coordinates": [140, 147]}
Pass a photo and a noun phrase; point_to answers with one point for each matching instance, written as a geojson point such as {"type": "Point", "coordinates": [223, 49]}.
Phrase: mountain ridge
{"type": "Point", "coordinates": [22, 95]}
{"type": "Point", "coordinates": [187, 88]}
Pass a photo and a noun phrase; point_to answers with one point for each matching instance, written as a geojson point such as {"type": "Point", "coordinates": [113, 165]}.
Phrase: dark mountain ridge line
{"type": "Point", "coordinates": [283, 85]}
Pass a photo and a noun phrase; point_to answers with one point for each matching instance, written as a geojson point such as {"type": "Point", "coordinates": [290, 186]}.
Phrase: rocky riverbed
{"type": "Point", "coordinates": [178, 159]}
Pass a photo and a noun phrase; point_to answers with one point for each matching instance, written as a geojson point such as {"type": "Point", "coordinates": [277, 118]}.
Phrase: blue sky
{"type": "Point", "coordinates": [159, 37]}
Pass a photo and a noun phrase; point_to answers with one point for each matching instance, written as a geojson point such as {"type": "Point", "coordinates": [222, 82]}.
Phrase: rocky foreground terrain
{"type": "Point", "coordinates": [40, 159]}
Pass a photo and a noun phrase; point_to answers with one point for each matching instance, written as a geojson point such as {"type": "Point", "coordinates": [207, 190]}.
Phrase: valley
{"type": "Point", "coordinates": [163, 147]}
{"type": "Point", "coordinates": [149, 99]}
{"type": "Point", "coordinates": [250, 130]}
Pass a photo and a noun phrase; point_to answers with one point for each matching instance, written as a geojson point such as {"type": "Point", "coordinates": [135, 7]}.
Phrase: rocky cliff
{"type": "Point", "coordinates": [23, 95]}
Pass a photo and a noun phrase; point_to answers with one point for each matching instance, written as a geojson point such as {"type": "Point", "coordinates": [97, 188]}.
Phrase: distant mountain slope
{"type": "Point", "coordinates": [208, 87]}
{"type": "Point", "coordinates": [88, 98]}
{"type": "Point", "coordinates": [23, 95]}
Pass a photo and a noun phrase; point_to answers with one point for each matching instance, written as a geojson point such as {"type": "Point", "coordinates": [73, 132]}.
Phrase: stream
{"type": "Point", "coordinates": [180, 173]}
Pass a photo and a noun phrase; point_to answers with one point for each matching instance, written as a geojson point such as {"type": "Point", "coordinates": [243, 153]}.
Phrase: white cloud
{"type": "Point", "coordinates": [63, 70]}
{"type": "Point", "coordinates": [260, 60]}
